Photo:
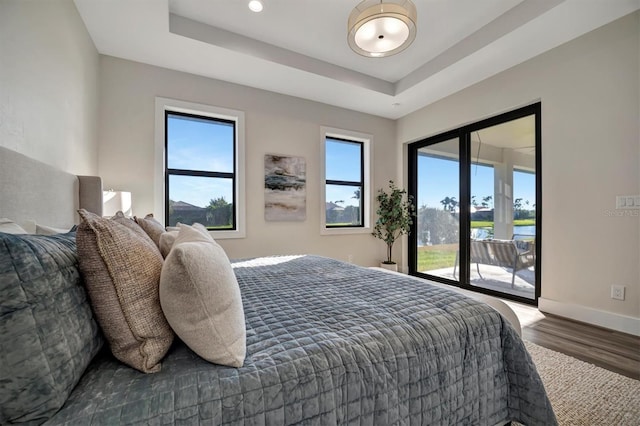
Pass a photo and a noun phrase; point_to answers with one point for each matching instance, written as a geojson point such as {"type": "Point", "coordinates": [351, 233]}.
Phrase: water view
{"type": "Point", "coordinates": [520, 232]}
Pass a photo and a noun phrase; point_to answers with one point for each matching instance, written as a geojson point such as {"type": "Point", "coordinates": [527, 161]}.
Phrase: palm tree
{"type": "Point", "coordinates": [449, 203]}
{"type": "Point", "coordinates": [517, 205]}
{"type": "Point", "coordinates": [454, 204]}
{"type": "Point", "coordinates": [446, 202]}
{"type": "Point", "coordinates": [355, 211]}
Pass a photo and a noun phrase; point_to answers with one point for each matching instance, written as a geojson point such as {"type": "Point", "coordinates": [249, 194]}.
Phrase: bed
{"type": "Point", "coordinates": [327, 343]}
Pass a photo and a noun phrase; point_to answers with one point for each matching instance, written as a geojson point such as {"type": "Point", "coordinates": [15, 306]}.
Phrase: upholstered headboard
{"type": "Point", "coordinates": [32, 190]}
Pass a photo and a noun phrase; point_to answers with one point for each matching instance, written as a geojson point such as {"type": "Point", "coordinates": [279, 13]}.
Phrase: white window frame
{"type": "Point", "coordinates": [173, 105]}
{"type": "Point", "coordinates": [366, 140]}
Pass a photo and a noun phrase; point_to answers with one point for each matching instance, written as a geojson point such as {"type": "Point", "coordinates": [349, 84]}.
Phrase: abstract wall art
{"type": "Point", "coordinates": [285, 189]}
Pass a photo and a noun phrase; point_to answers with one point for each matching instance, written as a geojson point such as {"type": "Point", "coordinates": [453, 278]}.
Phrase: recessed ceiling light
{"type": "Point", "coordinates": [256, 5]}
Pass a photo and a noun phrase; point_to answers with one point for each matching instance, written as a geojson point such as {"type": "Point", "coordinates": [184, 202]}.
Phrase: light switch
{"type": "Point", "coordinates": [628, 202]}
{"type": "Point", "coordinates": [621, 202]}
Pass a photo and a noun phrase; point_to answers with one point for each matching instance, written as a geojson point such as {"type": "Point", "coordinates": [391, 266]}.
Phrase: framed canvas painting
{"type": "Point", "coordinates": [285, 188]}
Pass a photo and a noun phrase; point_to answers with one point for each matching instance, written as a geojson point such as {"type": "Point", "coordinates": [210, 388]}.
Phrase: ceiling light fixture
{"type": "Point", "coordinates": [379, 28]}
{"type": "Point", "coordinates": [256, 5]}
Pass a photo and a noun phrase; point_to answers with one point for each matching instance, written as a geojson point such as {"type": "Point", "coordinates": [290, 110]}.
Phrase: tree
{"type": "Point", "coordinates": [528, 212]}
{"type": "Point", "coordinates": [445, 202]}
{"type": "Point", "coordinates": [517, 206]}
{"type": "Point", "coordinates": [218, 212]}
{"type": "Point", "coordinates": [437, 226]}
{"type": "Point", "coordinates": [354, 211]}
{"type": "Point", "coordinates": [454, 204]}
{"type": "Point", "coordinates": [395, 216]}
{"type": "Point", "coordinates": [474, 202]}
{"type": "Point", "coordinates": [486, 200]}
{"type": "Point", "coordinates": [517, 203]}
{"type": "Point", "coordinates": [449, 203]}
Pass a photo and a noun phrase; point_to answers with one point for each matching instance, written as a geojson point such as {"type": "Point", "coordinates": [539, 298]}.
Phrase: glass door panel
{"type": "Point", "coordinates": [502, 211]}
{"type": "Point", "coordinates": [438, 213]}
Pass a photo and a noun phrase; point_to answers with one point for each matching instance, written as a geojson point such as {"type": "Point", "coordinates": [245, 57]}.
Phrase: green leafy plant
{"type": "Point", "coordinates": [395, 216]}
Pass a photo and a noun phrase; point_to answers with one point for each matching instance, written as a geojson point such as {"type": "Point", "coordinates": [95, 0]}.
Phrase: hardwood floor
{"type": "Point", "coordinates": [612, 350]}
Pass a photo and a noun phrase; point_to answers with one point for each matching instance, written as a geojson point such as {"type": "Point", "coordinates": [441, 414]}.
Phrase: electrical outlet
{"type": "Point", "coordinates": [350, 259]}
{"type": "Point", "coordinates": [617, 292]}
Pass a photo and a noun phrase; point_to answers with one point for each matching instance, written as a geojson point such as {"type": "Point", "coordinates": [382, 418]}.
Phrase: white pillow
{"type": "Point", "coordinates": [10, 227]}
{"type": "Point", "coordinates": [28, 225]}
{"type": "Point", "coordinates": [201, 299]}
{"type": "Point", "coordinates": [49, 230]}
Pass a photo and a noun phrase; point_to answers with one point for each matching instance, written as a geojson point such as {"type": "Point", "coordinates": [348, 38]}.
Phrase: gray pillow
{"type": "Point", "coordinates": [48, 334]}
{"type": "Point", "coordinates": [201, 298]}
{"type": "Point", "coordinates": [151, 226]}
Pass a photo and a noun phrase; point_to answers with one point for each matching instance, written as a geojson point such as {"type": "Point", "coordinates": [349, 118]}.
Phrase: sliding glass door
{"type": "Point", "coordinates": [477, 192]}
{"type": "Point", "coordinates": [437, 213]}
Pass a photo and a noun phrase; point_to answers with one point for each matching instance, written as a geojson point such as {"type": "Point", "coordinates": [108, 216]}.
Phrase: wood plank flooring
{"type": "Point", "coordinates": [609, 349]}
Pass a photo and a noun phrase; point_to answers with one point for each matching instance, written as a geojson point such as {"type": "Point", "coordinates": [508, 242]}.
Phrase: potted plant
{"type": "Point", "coordinates": [395, 217]}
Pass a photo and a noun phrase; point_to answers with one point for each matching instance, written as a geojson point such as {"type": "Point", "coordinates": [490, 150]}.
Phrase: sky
{"type": "Point", "coordinates": [199, 145]}
{"type": "Point", "coordinates": [342, 163]}
{"type": "Point", "coordinates": [202, 145]}
{"type": "Point", "coordinates": [439, 178]}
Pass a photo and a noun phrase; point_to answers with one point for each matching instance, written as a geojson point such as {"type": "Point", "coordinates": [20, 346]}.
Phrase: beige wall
{"type": "Point", "coordinates": [274, 124]}
{"type": "Point", "coordinates": [589, 90]}
{"type": "Point", "coordinates": [48, 84]}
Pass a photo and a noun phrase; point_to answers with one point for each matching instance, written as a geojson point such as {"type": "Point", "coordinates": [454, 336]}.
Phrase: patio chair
{"type": "Point", "coordinates": [516, 255]}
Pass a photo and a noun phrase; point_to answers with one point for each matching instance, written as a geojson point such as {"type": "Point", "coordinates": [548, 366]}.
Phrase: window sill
{"type": "Point", "coordinates": [227, 235]}
{"type": "Point", "coordinates": [345, 231]}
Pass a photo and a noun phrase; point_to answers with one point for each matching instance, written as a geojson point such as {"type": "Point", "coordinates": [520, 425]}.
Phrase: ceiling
{"type": "Point", "coordinates": [518, 134]}
{"type": "Point", "coordinates": [299, 47]}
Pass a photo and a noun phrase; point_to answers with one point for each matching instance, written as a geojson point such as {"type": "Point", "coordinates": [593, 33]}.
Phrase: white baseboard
{"type": "Point", "coordinates": [623, 323]}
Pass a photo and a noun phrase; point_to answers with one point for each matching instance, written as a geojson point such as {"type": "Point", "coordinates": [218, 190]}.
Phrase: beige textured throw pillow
{"type": "Point", "coordinates": [201, 298]}
{"type": "Point", "coordinates": [152, 227]}
{"type": "Point", "coordinates": [121, 269]}
{"type": "Point", "coordinates": [129, 223]}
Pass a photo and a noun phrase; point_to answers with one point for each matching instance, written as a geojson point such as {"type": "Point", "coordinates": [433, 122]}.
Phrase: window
{"type": "Point", "coordinates": [202, 151]}
{"type": "Point", "coordinates": [345, 192]}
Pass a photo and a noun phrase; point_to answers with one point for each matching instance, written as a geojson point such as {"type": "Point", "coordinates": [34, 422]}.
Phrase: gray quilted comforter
{"type": "Point", "coordinates": [332, 343]}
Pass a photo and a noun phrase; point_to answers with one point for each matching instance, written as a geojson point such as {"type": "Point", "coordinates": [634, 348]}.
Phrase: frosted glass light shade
{"type": "Point", "coordinates": [115, 201]}
{"type": "Point", "coordinates": [382, 28]}
{"type": "Point", "coordinates": [256, 5]}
